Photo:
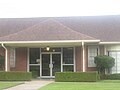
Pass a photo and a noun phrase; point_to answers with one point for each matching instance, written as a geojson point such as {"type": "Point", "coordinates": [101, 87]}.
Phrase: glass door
{"type": "Point", "coordinates": [45, 64]}
{"type": "Point", "coordinates": [56, 61]}
{"type": "Point", "coordinates": [51, 63]}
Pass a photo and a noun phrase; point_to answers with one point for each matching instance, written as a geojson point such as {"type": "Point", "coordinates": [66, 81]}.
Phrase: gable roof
{"type": "Point", "coordinates": [48, 30]}
{"type": "Point", "coordinates": [105, 28]}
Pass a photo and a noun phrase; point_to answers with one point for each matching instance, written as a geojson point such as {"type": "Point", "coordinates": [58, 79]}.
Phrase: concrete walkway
{"type": "Point", "coordinates": [31, 85]}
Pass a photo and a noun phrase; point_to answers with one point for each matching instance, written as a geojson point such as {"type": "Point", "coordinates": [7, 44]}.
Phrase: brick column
{"type": "Point", "coordinates": [78, 58]}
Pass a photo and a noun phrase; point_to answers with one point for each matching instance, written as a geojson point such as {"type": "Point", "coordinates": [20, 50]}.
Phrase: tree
{"type": "Point", "coordinates": [103, 63]}
{"type": "Point", "coordinates": [1, 62]}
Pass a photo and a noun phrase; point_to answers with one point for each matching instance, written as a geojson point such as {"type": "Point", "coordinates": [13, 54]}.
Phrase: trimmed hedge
{"type": "Point", "coordinates": [15, 76]}
{"type": "Point", "coordinates": [113, 76]}
{"type": "Point", "coordinates": [76, 76]}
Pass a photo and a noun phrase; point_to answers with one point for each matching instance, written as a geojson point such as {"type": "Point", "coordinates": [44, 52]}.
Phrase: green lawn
{"type": "Point", "coordinates": [101, 85]}
{"type": "Point", "coordinates": [4, 85]}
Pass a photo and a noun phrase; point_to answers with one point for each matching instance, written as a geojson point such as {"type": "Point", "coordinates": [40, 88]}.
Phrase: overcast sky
{"type": "Point", "coordinates": [56, 8]}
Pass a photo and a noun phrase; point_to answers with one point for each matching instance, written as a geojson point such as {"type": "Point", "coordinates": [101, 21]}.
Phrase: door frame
{"type": "Point", "coordinates": [28, 64]}
{"type": "Point", "coordinates": [51, 53]}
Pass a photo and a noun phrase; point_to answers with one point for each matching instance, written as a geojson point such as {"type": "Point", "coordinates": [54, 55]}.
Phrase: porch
{"type": "Point", "coordinates": [35, 57]}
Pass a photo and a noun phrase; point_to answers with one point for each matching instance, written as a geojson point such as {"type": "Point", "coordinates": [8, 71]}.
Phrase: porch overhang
{"type": "Point", "coordinates": [110, 43]}
{"type": "Point", "coordinates": [59, 43]}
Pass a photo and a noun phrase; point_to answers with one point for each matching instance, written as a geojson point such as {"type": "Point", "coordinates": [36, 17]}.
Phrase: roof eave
{"type": "Point", "coordinates": [55, 41]}
{"type": "Point", "coordinates": [110, 42]}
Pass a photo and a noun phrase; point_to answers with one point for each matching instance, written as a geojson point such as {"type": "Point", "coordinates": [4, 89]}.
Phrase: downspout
{"type": "Point", "coordinates": [83, 55]}
{"type": "Point", "coordinates": [6, 58]}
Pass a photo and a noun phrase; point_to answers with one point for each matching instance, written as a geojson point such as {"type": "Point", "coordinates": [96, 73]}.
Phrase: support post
{"type": "Point", "coordinates": [83, 56]}
{"type": "Point", "coordinates": [6, 57]}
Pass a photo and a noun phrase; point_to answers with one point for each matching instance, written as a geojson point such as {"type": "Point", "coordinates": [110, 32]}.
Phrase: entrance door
{"type": "Point", "coordinates": [51, 63]}
{"type": "Point", "coordinates": [56, 61]}
{"type": "Point", "coordinates": [45, 64]}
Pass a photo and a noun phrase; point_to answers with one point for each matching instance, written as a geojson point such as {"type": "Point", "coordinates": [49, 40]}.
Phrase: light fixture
{"type": "Point", "coordinates": [47, 48]}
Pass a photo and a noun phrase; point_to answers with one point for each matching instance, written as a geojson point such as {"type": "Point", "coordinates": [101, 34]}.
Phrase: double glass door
{"type": "Point", "coordinates": [51, 63]}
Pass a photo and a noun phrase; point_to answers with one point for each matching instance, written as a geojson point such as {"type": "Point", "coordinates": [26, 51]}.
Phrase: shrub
{"type": "Point", "coordinates": [15, 76]}
{"type": "Point", "coordinates": [104, 62]}
{"type": "Point", "coordinates": [76, 76]}
{"type": "Point", "coordinates": [113, 76]}
{"type": "Point", "coordinates": [1, 63]}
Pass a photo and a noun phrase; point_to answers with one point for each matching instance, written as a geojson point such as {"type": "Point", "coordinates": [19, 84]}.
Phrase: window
{"type": "Point", "coordinates": [35, 71]}
{"type": "Point", "coordinates": [92, 52]}
{"type": "Point", "coordinates": [51, 49]}
{"type": "Point", "coordinates": [34, 55]}
{"type": "Point", "coordinates": [67, 55]}
{"type": "Point", "coordinates": [67, 68]}
{"type": "Point", "coordinates": [68, 59]}
{"type": "Point", "coordinates": [12, 57]}
{"type": "Point", "coordinates": [116, 56]}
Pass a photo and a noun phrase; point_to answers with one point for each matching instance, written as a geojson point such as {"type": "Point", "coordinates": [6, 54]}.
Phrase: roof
{"type": "Point", "coordinates": [48, 30]}
{"type": "Point", "coordinates": [104, 28]}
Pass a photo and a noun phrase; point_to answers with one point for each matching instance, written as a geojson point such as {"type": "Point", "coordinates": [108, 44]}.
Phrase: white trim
{"type": "Point", "coordinates": [57, 41]}
{"type": "Point", "coordinates": [105, 51]}
{"type": "Point", "coordinates": [62, 59]}
{"type": "Point", "coordinates": [6, 58]}
{"type": "Point", "coordinates": [28, 69]}
{"type": "Point", "coordinates": [83, 52]}
{"type": "Point", "coordinates": [74, 59]}
{"type": "Point", "coordinates": [40, 63]}
{"type": "Point", "coordinates": [109, 42]}
{"type": "Point", "coordinates": [51, 65]}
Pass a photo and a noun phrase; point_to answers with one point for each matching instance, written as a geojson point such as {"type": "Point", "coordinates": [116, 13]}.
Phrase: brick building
{"type": "Point", "coordinates": [58, 44]}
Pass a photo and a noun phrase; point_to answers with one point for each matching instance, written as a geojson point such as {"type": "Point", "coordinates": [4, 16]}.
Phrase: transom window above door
{"type": "Point", "coordinates": [50, 49]}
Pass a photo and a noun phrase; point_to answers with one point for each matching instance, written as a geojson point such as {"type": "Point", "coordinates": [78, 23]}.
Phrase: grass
{"type": "Point", "coordinates": [101, 85]}
{"type": "Point", "coordinates": [4, 85]}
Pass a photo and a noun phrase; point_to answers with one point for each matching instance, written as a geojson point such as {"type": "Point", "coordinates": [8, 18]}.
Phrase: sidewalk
{"type": "Point", "coordinates": [31, 85]}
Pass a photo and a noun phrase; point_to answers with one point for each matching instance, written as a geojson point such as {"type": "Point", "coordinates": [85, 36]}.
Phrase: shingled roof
{"type": "Point", "coordinates": [48, 30]}
{"type": "Point", "coordinates": [104, 28]}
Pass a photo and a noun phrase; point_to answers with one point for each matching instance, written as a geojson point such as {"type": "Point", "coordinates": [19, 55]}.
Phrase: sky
{"type": "Point", "coordinates": [57, 8]}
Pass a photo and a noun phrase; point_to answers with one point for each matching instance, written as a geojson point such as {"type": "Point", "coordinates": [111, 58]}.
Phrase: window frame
{"type": "Point", "coordinates": [12, 57]}
{"type": "Point", "coordinates": [91, 56]}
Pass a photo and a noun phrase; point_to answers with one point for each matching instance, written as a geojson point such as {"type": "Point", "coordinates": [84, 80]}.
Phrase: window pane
{"type": "Point", "coordinates": [12, 57]}
{"type": "Point", "coordinates": [51, 50]}
{"type": "Point", "coordinates": [68, 55]}
{"type": "Point", "coordinates": [34, 55]}
{"type": "Point", "coordinates": [67, 68]}
{"type": "Point", "coordinates": [35, 71]}
{"type": "Point", "coordinates": [92, 52]}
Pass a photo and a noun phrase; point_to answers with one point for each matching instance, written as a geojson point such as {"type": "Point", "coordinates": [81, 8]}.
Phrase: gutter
{"type": "Point", "coordinates": [55, 41]}
{"type": "Point", "coordinates": [6, 58]}
{"type": "Point", "coordinates": [109, 42]}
